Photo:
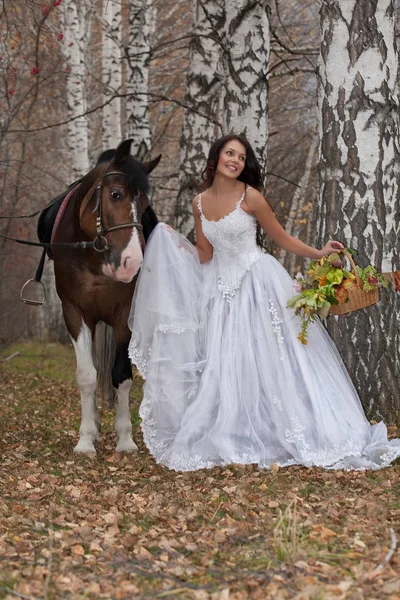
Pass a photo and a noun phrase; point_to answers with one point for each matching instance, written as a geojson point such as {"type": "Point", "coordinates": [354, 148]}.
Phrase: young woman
{"type": "Point", "coordinates": [227, 380]}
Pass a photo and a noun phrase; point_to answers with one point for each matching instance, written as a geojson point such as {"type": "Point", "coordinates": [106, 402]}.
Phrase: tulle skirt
{"type": "Point", "coordinates": [229, 382]}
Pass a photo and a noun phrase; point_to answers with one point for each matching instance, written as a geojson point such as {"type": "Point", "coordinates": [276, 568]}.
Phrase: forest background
{"type": "Point", "coordinates": [314, 85]}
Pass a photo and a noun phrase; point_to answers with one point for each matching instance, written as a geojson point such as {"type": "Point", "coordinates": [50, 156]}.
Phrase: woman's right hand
{"type": "Point", "coordinates": [330, 247]}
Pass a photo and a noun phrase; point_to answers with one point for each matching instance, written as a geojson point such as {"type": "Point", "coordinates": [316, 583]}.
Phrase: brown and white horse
{"type": "Point", "coordinates": [110, 207]}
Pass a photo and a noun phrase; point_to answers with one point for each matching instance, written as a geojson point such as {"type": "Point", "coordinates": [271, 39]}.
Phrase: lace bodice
{"type": "Point", "coordinates": [235, 249]}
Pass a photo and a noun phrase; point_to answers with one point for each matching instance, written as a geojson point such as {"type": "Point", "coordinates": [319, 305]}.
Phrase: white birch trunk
{"type": "Point", "coordinates": [204, 94]}
{"type": "Point", "coordinates": [359, 175]}
{"type": "Point", "coordinates": [47, 323]}
{"type": "Point", "coordinates": [247, 44]}
{"type": "Point", "coordinates": [75, 28]}
{"type": "Point", "coordinates": [142, 19]}
{"type": "Point", "coordinates": [111, 73]}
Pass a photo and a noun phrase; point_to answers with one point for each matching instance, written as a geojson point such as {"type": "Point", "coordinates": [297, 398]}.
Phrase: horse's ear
{"type": "Point", "coordinates": [150, 165]}
{"type": "Point", "coordinates": [123, 151]}
{"type": "Point", "coordinates": [105, 157]}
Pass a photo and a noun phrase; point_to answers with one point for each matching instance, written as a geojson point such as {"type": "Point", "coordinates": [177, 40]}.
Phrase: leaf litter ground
{"type": "Point", "coordinates": [122, 527]}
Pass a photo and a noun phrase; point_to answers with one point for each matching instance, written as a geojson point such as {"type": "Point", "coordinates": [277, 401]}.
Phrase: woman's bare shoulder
{"type": "Point", "coordinates": [204, 197]}
{"type": "Point", "coordinates": [254, 199]}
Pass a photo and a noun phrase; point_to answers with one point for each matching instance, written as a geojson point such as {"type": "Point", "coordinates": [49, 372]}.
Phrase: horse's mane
{"type": "Point", "coordinates": [136, 176]}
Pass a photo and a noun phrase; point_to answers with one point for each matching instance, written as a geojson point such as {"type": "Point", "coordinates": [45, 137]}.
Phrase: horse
{"type": "Point", "coordinates": [108, 211]}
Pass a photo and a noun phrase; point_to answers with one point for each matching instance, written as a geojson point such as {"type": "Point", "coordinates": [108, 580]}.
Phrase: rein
{"type": "Point", "coordinates": [82, 245]}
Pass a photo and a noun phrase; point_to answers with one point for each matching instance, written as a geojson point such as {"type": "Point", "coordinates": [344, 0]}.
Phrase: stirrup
{"type": "Point", "coordinates": [31, 300]}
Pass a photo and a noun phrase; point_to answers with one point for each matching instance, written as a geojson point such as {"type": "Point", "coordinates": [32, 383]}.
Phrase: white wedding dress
{"type": "Point", "coordinates": [227, 380]}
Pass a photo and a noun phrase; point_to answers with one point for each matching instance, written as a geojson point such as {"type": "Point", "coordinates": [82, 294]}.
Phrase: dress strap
{"type": "Point", "coordinates": [199, 204]}
{"type": "Point", "coordinates": [239, 202]}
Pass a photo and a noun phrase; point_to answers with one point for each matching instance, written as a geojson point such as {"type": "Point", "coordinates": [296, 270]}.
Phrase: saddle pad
{"type": "Point", "coordinates": [62, 210]}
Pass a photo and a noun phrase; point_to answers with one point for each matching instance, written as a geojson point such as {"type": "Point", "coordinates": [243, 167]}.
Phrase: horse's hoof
{"type": "Point", "coordinates": [126, 446]}
{"type": "Point", "coordinates": [85, 447]}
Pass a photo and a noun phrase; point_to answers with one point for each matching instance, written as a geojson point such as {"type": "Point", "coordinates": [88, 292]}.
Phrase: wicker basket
{"type": "Point", "coordinates": [358, 298]}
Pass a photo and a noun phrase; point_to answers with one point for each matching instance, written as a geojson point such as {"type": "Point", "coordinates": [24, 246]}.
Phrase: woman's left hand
{"type": "Point", "coordinates": [331, 246]}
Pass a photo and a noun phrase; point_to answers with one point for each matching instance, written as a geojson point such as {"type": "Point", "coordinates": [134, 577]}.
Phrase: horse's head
{"type": "Point", "coordinates": [112, 209]}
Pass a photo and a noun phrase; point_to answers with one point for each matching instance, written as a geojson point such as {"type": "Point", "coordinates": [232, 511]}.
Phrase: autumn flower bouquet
{"type": "Point", "coordinates": [327, 286]}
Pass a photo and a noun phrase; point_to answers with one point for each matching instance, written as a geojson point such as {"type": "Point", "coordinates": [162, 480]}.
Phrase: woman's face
{"type": "Point", "coordinates": [232, 159]}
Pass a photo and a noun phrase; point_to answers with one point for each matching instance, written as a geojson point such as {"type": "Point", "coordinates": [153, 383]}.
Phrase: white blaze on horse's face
{"type": "Point", "coordinates": [131, 257]}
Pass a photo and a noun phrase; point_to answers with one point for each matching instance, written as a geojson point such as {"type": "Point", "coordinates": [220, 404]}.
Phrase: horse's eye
{"type": "Point", "coordinates": [116, 195]}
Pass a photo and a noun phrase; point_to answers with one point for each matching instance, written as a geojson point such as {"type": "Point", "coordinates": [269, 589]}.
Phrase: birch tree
{"type": "Point", "coordinates": [359, 199]}
{"type": "Point", "coordinates": [47, 323]}
{"type": "Point", "coordinates": [204, 93]}
{"type": "Point", "coordinates": [226, 86]}
{"type": "Point", "coordinates": [142, 19]}
{"type": "Point", "coordinates": [246, 59]}
{"type": "Point", "coordinates": [111, 73]}
{"type": "Point", "coordinates": [75, 37]}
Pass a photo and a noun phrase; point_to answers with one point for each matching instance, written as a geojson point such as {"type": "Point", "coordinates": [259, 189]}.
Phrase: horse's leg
{"type": "Point", "coordinates": [122, 381]}
{"type": "Point", "coordinates": [86, 378]}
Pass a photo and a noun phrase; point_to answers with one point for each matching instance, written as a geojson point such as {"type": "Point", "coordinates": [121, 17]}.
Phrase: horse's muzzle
{"type": "Point", "coordinates": [127, 267]}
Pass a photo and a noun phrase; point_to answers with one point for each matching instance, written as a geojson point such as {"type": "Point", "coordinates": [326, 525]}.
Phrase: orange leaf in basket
{"type": "Point", "coordinates": [348, 284]}
{"type": "Point", "coordinates": [341, 294]}
{"type": "Point", "coordinates": [323, 281]}
{"type": "Point", "coordinates": [396, 277]}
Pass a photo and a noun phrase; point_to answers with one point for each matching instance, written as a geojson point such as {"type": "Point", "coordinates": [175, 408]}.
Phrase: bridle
{"type": "Point", "coordinates": [100, 243]}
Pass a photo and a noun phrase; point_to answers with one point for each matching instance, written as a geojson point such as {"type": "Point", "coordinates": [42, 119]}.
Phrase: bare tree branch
{"type": "Point", "coordinates": [292, 72]}
{"type": "Point", "coordinates": [155, 97]}
{"type": "Point", "coordinates": [302, 51]}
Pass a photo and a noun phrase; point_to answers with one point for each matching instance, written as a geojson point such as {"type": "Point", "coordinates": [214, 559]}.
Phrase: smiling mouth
{"type": "Point", "coordinates": [231, 168]}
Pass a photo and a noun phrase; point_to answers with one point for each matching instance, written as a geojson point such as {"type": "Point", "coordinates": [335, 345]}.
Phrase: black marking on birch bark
{"type": "Point", "coordinates": [233, 71]}
{"type": "Point", "coordinates": [330, 154]}
{"type": "Point", "coordinates": [378, 184]}
{"type": "Point", "coordinates": [216, 20]}
{"type": "Point", "coordinates": [349, 207]}
{"type": "Point", "coordinates": [329, 10]}
{"type": "Point", "coordinates": [390, 10]}
{"type": "Point", "coordinates": [361, 187]}
{"type": "Point", "coordinates": [363, 31]}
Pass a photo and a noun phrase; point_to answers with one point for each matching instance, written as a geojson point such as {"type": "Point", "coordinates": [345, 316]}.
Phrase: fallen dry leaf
{"type": "Point", "coordinates": [77, 550]}
{"type": "Point", "coordinates": [321, 533]}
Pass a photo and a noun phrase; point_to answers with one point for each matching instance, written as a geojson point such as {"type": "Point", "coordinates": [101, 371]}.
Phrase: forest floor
{"type": "Point", "coordinates": [121, 527]}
